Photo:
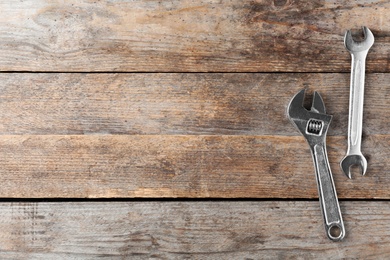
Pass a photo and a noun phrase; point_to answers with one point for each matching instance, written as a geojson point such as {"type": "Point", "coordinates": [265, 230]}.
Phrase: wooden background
{"type": "Point", "coordinates": [157, 129]}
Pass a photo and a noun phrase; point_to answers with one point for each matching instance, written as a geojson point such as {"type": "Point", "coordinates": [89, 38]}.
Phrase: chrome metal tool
{"type": "Point", "coordinates": [358, 52]}
{"type": "Point", "coordinates": [313, 124]}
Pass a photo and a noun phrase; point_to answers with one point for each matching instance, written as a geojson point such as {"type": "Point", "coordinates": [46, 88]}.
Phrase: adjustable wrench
{"type": "Point", "coordinates": [358, 52]}
{"type": "Point", "coordinates": [314, 125]}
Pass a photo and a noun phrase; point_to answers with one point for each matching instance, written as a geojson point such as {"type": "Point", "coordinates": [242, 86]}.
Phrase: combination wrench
{"type": "Point", "coordinates": [314, 125]}
{"type": "Point", "coordinates": [358, 51]}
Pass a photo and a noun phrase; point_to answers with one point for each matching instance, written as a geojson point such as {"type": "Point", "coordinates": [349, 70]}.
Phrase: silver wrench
{"type": "Point", "coordinates": [314, 125]}
{"type": "Point", "coordinates": [358, 52]}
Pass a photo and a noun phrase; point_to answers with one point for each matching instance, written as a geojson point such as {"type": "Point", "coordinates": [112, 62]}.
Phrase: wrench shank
{"type": "Point", "coordinates": [356, 99]}
{"type": "Point", "coordinates": [327, 192]}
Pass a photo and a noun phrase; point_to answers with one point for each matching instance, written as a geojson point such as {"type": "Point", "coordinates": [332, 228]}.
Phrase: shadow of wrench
{"type": "Point", "coordinates": [358, 52]}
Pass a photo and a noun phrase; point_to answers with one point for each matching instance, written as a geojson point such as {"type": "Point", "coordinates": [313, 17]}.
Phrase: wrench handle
{"type": "Point", "coordinates": [356, 99]}
{"type": "Point", "coordinates": [330, 208]}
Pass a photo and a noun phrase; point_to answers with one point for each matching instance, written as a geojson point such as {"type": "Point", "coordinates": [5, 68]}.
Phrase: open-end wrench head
{"type": "Point", "coordinates": [353, 46]}
{"type": "Point", "coordinates": [353, 159]}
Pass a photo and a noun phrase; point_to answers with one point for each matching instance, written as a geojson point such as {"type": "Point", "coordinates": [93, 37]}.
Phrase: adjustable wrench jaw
{"type": "Point", "coordinates": [312, 124]}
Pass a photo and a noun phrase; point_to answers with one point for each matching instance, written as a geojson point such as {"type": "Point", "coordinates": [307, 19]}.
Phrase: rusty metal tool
{"type": "Point", "coordinates": [313, 124]}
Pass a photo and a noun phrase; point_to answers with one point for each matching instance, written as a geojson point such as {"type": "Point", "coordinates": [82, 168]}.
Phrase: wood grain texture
{"type": "Point", "coordinates": [180, 166]}
{"type": "Point", "coordinates": [188, 135]}
{"type": "Point", "coordinates": [172, 36]}
{"type": "Point", "coordinates": [205, 103]}
{"type": "Point", "coordinates": [189, 230]}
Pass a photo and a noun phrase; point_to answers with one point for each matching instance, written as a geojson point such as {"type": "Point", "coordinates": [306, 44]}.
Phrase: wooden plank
{"type": "Point", "coordinates": [227, 103]}
{"type": "Point", "coordinates": [185, 35]}
{"type": "Point", "coordinates": [190, 230]}
{"type": "Point", "coordinates": [180, 166]}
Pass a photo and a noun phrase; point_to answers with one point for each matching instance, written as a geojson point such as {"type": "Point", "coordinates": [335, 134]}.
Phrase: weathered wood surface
{"type": "Point", "coordinates": [205, 103]}
{"type": "Point", "coordinates": [213, 35]}
{"type": "Point", "coordinates": [190, 230]}
{"type": "Point", "coordinates": [188, 135]}
{"type": "Point", "coordinates": [180, 166]}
